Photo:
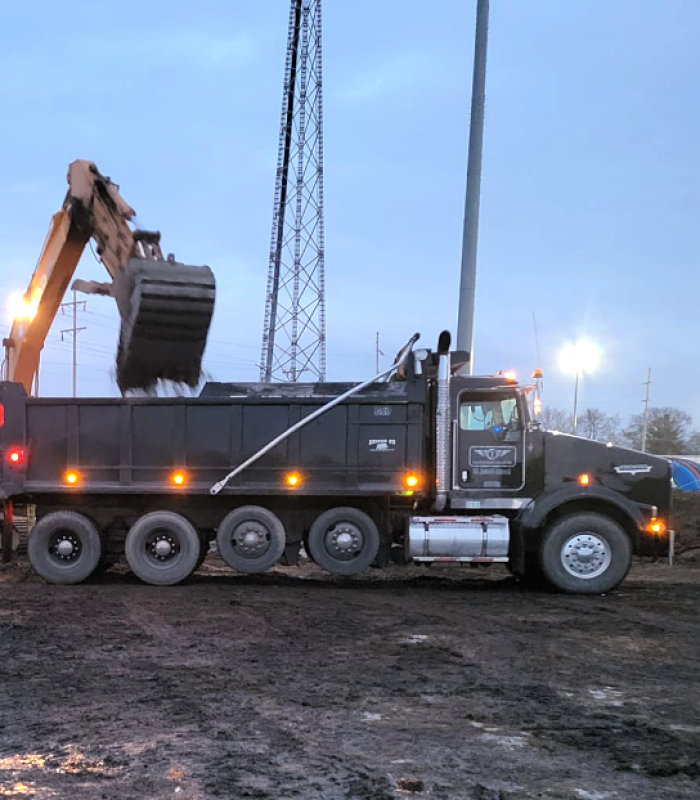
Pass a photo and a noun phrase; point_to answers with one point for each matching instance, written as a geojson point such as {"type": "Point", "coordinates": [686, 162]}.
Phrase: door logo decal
{"type": "Point", "coordinates": [492, 456]}
{"type": "Point", "coordinates": [633, 469]}
{"type": "Point", "coordinates": [382, 445]}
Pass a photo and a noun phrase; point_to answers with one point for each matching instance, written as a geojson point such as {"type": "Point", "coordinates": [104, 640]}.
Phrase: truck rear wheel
{"type": "Point", "coordinates": [343, 541]}
{"type": "Point", "coordinates": [251, 539]}
{"type": "Point", "coordinates": [162, 548]}
{"type": "Point", "coordinates": [585, 554]}
{"type": "Point", "coordinates": [65, 547]}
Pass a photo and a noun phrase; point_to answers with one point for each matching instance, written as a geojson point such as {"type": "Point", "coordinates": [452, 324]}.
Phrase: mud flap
{"type": "Point", "coordinates": [166, 310]}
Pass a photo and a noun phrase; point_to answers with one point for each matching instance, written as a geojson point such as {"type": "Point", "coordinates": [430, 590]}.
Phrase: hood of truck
{"type": "Point", "coordinates": [640, 477]}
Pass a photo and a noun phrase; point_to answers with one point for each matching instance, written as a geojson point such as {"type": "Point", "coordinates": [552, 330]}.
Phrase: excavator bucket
{"type": "Point", "coordinates": [166, 310]}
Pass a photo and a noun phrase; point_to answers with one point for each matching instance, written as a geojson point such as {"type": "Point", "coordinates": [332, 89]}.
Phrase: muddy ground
{"type": "Point", "coordinates": [399, 683]}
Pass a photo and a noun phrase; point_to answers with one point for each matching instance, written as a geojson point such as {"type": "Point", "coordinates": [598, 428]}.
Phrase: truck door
{"type": "Point", "coordinates": [490, 441]}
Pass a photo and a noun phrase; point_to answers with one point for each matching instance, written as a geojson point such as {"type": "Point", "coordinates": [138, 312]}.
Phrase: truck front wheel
{"type": "Point", "coordinates": [65, 547]}
{"type": "Point", "coordinates": [162, 548]}
{"type": "Point", "coordinates": [585, 554]}
{"type": "Point", "coordinates": [343, 541]}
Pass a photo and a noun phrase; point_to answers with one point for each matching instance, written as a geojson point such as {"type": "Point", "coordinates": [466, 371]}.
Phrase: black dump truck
{"type": "Point", "coordinates": [421, 464]}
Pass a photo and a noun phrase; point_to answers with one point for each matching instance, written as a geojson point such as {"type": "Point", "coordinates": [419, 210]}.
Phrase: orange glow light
{"type": "Point", "coordinates": [656, 526]}
{"type": "Point", "coordinates": [292, 480]}
{"type": "Point", "coordinates": [72, 478]}
{"type": "Point", "coordinates": [411, 481]}
{"type": "Point", "coordinates": [179, 478]}
{"type": "Point", "coordinates": [510, 375]}
{"type": "Point", "coordinates": [584, 479]}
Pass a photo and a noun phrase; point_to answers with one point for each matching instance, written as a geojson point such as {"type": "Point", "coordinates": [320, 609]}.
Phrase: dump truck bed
{"type": "Point", "coordinates": [136, 445]}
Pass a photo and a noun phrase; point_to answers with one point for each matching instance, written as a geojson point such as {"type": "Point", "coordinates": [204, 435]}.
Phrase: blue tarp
{"type": "Point", "coordinates": [686, 474]}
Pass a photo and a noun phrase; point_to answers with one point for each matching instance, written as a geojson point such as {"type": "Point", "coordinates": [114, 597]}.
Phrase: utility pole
{"type": "Point", "coordinates": [75, 330]}
{"type": "Point", "coordinates": [377, 353]}
{"type": "Point", "coordinates": [467, 289]}
{"type": "Point", "coordinates": [645, 424]}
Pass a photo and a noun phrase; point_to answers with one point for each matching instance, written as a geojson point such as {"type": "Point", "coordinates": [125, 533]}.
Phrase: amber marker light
{"type": "Point", "coordinates": [656, 526]}
{"type": "Point", "coordinates": [292, 479]}
{"type": "Point", "coordinates": [510, 376]}
{"type": "Point", "coordinates": [179, 478]}
{"type": "Point", "coordinates": [72, 478]}
{"type": "Point", "coordinates": [584, 479]}
{"type": "Point", "coordinates": [411, 480]}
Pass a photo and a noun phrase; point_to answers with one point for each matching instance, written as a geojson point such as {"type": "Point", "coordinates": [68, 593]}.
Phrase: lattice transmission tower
{"type": "Point", "coordinates": [294, 336]}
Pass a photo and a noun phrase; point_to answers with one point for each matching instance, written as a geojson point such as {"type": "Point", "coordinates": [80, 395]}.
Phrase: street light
{"type": "Point", "coordinates": [579, 358]}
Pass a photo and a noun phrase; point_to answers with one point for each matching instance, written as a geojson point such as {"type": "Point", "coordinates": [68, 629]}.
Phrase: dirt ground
{"type": "Point", "coordinates": [400, 683]}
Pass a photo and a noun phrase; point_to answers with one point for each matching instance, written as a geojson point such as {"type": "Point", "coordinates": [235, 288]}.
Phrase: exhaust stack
{"type": "Point", "coordinates": [442, 423]}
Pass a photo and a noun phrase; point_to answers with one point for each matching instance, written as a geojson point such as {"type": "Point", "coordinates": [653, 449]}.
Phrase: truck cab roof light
{"type": "Point", "coordinates": [72, 477]}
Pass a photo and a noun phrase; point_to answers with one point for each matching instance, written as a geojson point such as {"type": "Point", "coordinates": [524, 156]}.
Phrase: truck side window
{"type": "Point", "coordinates": [486, 412]}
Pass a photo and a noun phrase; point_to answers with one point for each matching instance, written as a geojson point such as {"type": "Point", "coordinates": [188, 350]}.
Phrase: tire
{"type": "Point", "coordinates": [585, 554]}
{"type": "Point", "coordinates": [353, 553]}
{"type": "Point", "coordinates": [65, 547]}
{"type": "Point", "coordinates": [251, 539]}
{"type": "Point", "coordinates": [162, 567]}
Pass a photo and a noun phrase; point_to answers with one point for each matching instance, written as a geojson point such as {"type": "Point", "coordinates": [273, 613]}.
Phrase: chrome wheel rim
{"type": "Point", "coordinates": [586, 555]}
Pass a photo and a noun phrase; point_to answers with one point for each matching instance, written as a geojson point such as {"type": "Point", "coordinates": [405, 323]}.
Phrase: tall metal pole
{"type": "Point", "coordinates": [467, 289]}
{"type": "Point", "coordinates": [578, 374]}
{"type": "Point", "coordinates": [645, 424]}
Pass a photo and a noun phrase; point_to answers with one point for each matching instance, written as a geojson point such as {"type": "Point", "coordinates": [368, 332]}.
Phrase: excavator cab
{"type": "Point", "coordinates": [166, 307]}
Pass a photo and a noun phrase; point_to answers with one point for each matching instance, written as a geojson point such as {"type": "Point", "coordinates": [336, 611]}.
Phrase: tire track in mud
{"type": "Point", "coordinates": [315, 688]}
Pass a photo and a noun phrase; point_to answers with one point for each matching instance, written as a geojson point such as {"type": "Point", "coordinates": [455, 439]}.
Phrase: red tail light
{"type": "Point", "coordinates": [16, 456]}
{"type": "Point", "coordinates": [2, 415]}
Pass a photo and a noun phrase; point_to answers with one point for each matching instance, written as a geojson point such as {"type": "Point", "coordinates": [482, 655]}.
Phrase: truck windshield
{"type": "Point", "coordinates": [486, 412]}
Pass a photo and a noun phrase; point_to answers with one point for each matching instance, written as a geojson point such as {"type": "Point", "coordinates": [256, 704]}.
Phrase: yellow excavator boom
{"type": "Point", "coordinates": [166, 307]}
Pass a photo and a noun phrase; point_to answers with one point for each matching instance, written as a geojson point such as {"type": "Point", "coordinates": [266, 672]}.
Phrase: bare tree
{"type": "Point", "coordinates": [596, 424]}
{"type": "Point", "coordinates": [554, 419]}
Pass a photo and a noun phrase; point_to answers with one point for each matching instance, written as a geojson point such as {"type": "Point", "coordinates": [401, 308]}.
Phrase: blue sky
{"type": "Point", "coordinates": [590, 191]}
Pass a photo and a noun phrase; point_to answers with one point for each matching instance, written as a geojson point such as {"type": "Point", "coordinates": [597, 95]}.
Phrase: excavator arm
{"type": "Point", "coordinates": [165, 307]}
